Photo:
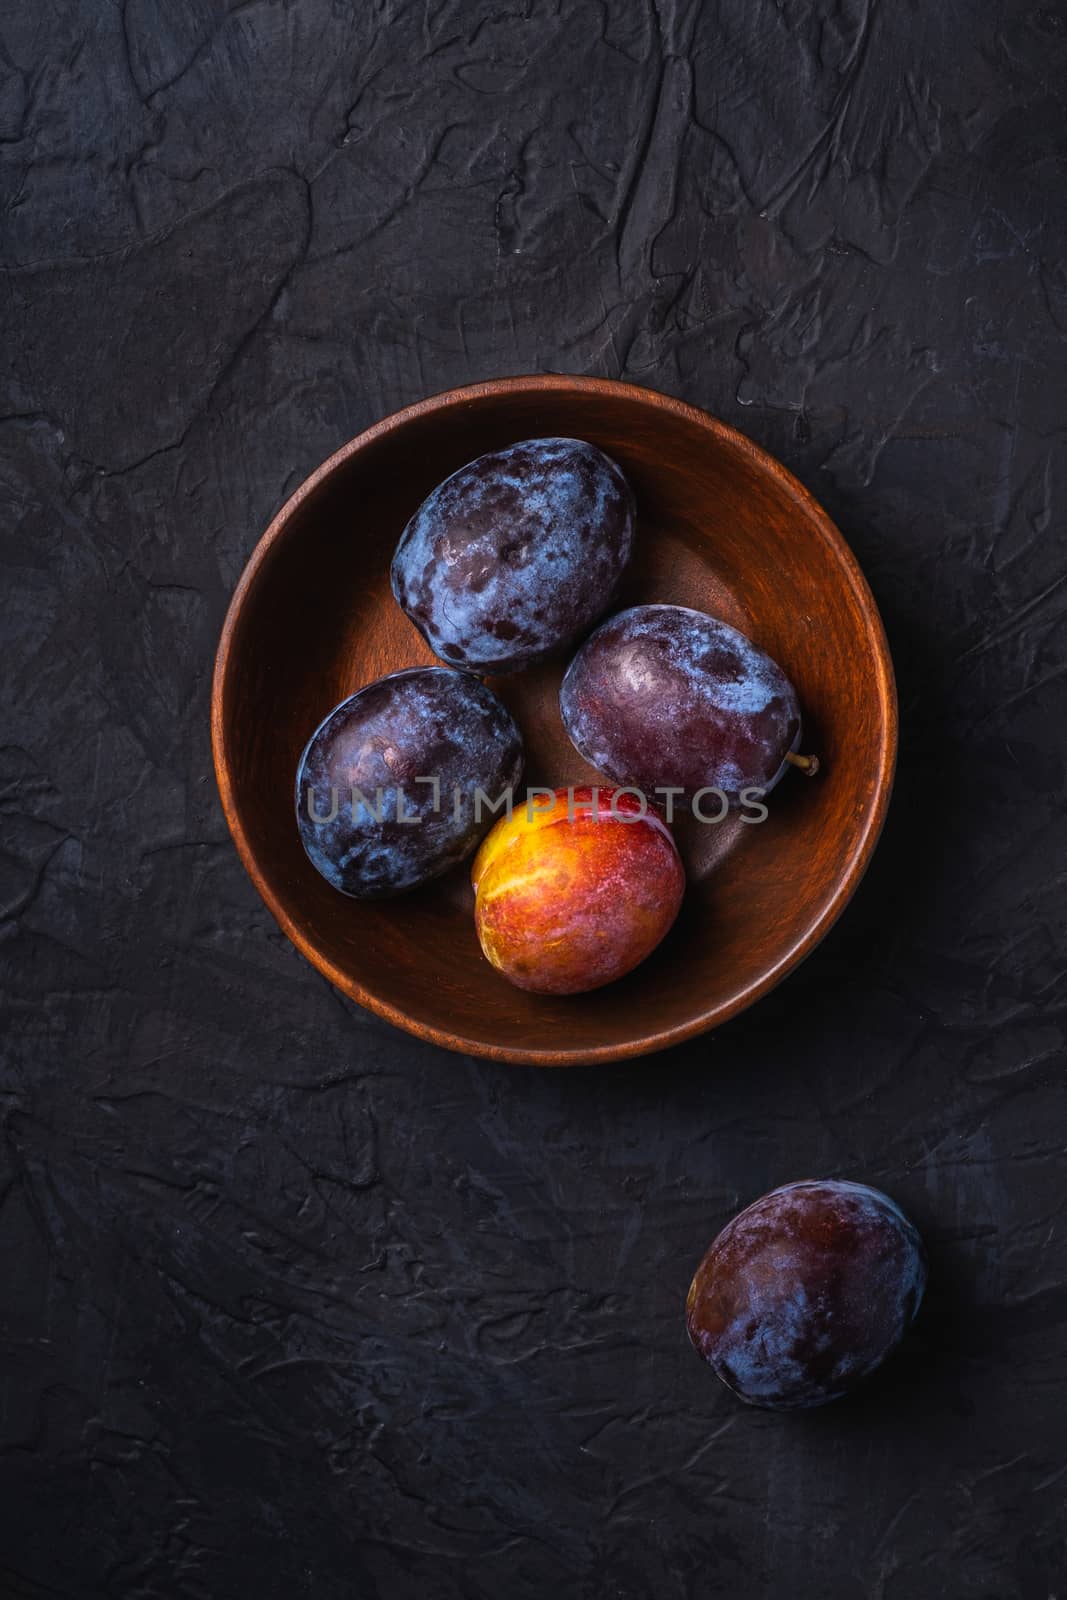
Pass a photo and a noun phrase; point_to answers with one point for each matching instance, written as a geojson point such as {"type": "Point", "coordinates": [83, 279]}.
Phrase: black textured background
{"type": "Point", "coordinates": [293, 1305]}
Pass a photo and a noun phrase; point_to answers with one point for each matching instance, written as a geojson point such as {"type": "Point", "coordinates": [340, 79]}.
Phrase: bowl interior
{"type": "Point", "coordinates": [721, 527]}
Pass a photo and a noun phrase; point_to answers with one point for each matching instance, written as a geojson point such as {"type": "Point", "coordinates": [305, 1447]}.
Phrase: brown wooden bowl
{"type": "Point", "coordinates": [722, 527]}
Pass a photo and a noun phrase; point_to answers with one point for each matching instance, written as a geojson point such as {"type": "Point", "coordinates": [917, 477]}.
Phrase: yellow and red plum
{"type": "Point", "coordinates": [804, 1294]}
{"type": "Point", "coordinates": [387, 788]}
{"type": "Point", "coordinates": [663, 696]}
{"type": "Point", "coordinates": [516, 555]}
{"type": "Point", "coordinates": [575, 889]}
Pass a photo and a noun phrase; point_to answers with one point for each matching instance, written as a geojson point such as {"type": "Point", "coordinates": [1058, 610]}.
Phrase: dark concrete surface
{"type": "Point", "coordinates": [292, 1305]}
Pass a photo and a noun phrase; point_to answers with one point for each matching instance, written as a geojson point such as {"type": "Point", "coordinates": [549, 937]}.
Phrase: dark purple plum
{"type": "Point", "coordinates": [806, 1292]}
{"type": "Point", "coordinates": [662, 696]}
{"type": "Point", "coordinates": [516, 555]}
{"type": "Point", "coordinates": [395, 832]}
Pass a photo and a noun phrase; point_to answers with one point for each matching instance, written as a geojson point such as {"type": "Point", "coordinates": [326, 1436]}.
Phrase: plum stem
{"type": "Point", "coordinates": [808, 765]}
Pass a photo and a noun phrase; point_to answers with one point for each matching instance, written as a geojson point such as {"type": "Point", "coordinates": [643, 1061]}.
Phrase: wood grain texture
{"type": "Point", "coordinates": [723, 527]}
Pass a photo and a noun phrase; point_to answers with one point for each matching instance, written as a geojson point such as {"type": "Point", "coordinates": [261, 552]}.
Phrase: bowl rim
{"type": "Point", "coordinates": [850, 874]}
